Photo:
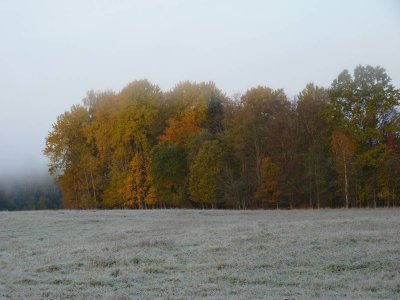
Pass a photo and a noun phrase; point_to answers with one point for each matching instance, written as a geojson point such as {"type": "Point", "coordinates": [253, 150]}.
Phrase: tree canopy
{"type": "Point", "coordinates": [193, 146]}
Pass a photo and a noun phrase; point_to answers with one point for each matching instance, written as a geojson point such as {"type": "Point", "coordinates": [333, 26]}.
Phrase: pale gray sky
{"type": "Point", "coordinates": [52, 52]}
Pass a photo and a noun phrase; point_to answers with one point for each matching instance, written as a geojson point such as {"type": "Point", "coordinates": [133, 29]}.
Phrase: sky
{"type": "Point", "coordinates": [53, 52]}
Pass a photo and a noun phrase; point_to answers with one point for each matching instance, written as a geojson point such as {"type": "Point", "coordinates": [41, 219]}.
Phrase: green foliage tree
{"type": "Point", "coordinates": [169, 171]}
{"type": "Point", "coordinates": [364, 105]}
{"type": "Point", "coordinates": [206, 175]}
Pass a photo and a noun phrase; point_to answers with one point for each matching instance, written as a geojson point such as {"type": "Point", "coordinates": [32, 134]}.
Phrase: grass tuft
{"type": "Point", "coordinates": [48, 269]}
{"type": "Point", "coordinates": [116, 273]}
{"type": "Point", "coordinates": [103, 263]}
{"type": "Point", "coordinates": [157, 243]}
{"type": "Point", "coordinates": [135, 261]}
{"type": "Point", "coordinates": [153, 271]}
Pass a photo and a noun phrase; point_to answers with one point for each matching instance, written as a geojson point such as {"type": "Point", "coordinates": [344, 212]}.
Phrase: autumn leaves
{"type": "Point", "coordinates": [134, 149]}
{"type": "Point", "coordinates": [195, 147]}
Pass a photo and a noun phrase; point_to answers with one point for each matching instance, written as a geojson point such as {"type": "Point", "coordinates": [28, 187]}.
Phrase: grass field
{"type": "Point", "coordinates": [332, 254]}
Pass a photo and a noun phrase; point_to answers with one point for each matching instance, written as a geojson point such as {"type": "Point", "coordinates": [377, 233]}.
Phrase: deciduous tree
{"type": "Point", "coordinates": [206, 175]}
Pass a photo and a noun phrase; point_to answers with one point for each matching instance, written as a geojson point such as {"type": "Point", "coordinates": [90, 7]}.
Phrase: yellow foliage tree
{"type": "Point", "coordinates": [137, 190]}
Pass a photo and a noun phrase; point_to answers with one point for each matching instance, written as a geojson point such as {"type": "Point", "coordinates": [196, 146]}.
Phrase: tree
{"type": "Point", "coordinates": [389, 177]}
{"type": "Point", "coordinates": [180, 130]}
{"type": "Point", "coordinates": [5, 203]}
{"type": "Point", "coordinates": [364, 105]}
{"type": "Point", "coordinates": [139, 105]}
{"type": "Point", "coordinates": [193, 146]}
{"type": "Point", "coordinates": [343, 149]}
{"type": "Point", "coordinates": [268, 191]}
{"type": "Point", "coordinates": [255, 125]}
{"type": "Point", "coordinates": [137, 190]}
{"type": "Point", "coordinates": [100, 153]}
{"type": "Point", "coordinates": [206, 175]}
{"type": "Point", "coordinates": [312, 102]}
{"type": "Point", "coordinates": [71, 158]}
{"type": "Point", "coordinates": [189, 96]}
{"type": "Point", "coordinates": [215, 115]}
{"type": "Point", "coordinates": [169, 170]}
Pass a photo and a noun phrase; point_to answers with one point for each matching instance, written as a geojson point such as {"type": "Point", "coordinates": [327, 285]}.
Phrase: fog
{"type": "Point", "coordinates": [52, 52]}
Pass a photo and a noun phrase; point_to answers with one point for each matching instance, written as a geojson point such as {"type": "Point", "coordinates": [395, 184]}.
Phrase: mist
{"type": "Point", "coordinates": [53, 52]}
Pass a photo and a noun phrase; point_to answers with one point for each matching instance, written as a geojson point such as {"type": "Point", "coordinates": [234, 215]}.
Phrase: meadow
{"type": "Point", "coordinates": [185, 254]}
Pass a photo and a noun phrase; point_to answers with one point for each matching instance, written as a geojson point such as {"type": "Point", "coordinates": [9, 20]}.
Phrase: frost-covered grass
{"type": "Point", "coordinates": [332, 254]}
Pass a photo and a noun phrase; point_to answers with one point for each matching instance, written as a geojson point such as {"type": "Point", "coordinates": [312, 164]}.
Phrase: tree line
{"type": "Point", "coordinates": [193, 146]}
{"type": "Point", "coordinates": [32, 192]}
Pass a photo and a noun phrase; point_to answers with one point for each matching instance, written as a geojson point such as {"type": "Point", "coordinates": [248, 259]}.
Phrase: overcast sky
{"type": "Point", "coordinates": [52, 52]}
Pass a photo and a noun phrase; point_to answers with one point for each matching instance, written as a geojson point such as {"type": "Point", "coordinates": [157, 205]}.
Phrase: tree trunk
{"type": "Point", "coordinates": [310, 193]}
{"type": "Point", "coordinates": [94, 190]}
{"type": "Point", "coordinates": [374, 199]}
{"type": "Point", "coordinates": [316, 183]}
{"type": "Point", "coordinates": [346, 191]}
{"type": "Point", "coordinates": [88, 191]}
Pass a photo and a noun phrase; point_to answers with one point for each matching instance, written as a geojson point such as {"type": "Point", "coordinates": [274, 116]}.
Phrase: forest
{"type": "Point", "coordinates": [30, 192]}
{"type": "Point", "coordinates": [195, 147]}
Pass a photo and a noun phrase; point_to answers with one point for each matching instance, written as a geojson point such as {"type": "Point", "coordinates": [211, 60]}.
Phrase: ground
{"type": "Point", "coordinates": [300, 254]}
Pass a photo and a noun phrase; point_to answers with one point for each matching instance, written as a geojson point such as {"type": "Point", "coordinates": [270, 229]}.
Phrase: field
{"type": "Point", "coordinates": [330, 254]}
